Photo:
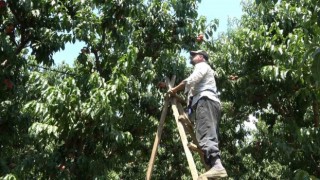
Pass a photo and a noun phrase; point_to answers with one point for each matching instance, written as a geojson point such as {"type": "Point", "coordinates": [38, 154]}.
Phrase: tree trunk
{"type": "Point", "coordinates": [315, 106]}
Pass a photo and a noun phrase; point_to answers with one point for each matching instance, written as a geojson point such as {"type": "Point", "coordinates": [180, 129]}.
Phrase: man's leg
{"type": "Point", "coordinates": [207, 125]}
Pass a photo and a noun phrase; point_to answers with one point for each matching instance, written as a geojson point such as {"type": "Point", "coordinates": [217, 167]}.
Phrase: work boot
{"type": "Point", "coordinates": [214, 173]}
{"type": "Point", "coordinates": [217, 171]}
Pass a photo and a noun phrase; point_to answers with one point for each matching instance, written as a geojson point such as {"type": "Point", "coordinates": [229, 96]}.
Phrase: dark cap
{"type": "Point", "coordinates": [202, 52]}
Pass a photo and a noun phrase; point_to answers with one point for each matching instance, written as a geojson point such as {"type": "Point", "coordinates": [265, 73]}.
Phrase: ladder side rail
{"type": "Point", "coordinates": [157, 139]}
{"type": "Point", "coordinates": [192, 135]}
{"type": "Point", "coordinates": [156, 143]}
{"type": "Point", "coordinates": [184, 140]}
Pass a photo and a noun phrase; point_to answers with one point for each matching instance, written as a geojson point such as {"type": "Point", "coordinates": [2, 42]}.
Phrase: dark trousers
{"type": "Point", "coordinates": [207, 117]}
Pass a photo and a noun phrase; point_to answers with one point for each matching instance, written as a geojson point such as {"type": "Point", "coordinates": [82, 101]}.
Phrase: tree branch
{"type": "Point", "coordinates": [98, 64]}
{"type": "Point", "coordinates": [315, 106]}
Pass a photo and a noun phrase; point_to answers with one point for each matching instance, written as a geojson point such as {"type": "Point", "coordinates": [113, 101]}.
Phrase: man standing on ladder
{"type": "Point", "coordinates": [206, 108]}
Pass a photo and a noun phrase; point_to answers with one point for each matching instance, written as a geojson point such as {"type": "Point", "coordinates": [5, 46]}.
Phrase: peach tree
{"type": "Point", "coordinates": [269, 67]}
{"type": "Point", "coordinates": [97, 117]}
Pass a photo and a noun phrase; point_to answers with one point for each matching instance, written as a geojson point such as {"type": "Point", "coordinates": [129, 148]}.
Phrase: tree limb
{"type": "Point", "coordinates": [315, 106]}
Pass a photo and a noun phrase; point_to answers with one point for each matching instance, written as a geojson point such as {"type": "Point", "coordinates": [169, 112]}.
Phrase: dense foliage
{"type": "Point", "coordinates": [272, 59]}
{"type": "Point", "coordinates": [97, 118]}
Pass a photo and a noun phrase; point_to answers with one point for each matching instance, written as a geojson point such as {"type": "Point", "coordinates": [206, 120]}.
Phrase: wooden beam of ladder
{"type": "Point", "coordinates": [184, 140]}
{"type": "Point", "coordinates": [189, 127]}
{"type": "Point", "coordinates": [170, 84]}
{"type": "Point", "coordinates": [183, 125]}
{"type": "Point", "coordinates": [157, 138]}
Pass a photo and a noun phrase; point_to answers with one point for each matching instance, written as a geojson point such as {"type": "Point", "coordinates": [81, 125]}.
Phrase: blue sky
{"type": "Point", "coordinates": [219, 9]}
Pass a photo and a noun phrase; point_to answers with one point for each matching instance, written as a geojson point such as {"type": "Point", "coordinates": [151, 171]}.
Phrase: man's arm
{"type": "Point", "coordinates": [194, 78]}
{"type": "Point", "coordinates": [177, 88]}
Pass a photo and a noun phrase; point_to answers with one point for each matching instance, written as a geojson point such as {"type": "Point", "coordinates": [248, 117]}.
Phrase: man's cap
{"type": "Point", "coordinates": [202, 52]}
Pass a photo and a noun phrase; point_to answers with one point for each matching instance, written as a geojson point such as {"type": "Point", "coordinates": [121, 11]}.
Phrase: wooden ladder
{"type": "Point", "coordinates": [184, 126]}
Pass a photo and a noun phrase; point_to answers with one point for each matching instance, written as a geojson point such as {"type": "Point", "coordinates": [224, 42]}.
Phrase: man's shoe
{"type": "Point", "coordinates": [214, 173]}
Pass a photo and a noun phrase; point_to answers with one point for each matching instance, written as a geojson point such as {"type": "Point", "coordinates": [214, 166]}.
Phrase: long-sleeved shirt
{"type": "Point", "coordinates": [201, 83]}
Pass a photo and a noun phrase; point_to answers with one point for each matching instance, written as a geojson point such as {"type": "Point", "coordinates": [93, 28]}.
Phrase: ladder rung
{"type": "Point", "coordinates": [180, 99]}
{"type": "Point", "coordinates": [194, 147]}
{"type": "Point", "coordinates": [183, 118]}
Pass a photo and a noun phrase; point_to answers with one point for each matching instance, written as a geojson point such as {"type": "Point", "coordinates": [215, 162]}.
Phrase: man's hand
{"type": "Point", "coordinates": [177, 88]}
{"type": "Point", "coordinates": [172, 91]}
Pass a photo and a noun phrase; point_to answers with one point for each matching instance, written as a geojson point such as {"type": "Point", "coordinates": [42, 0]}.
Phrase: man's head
{"type": "Point", "coordinates": [198, 56]}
